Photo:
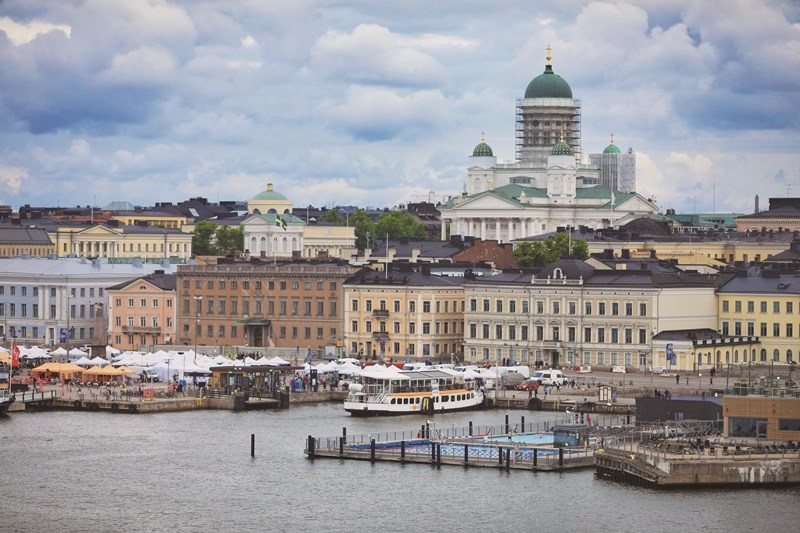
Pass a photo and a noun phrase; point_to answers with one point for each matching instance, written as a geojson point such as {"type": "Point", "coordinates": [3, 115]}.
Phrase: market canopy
{"type": "Point", "coordinates": [83, 361]}
{"type": "Point", "coordinates": [59, 351]}
{"type": "Point", "coordinates": [58, 368]}
{"type": "Point", "coordinates": [77, 352]}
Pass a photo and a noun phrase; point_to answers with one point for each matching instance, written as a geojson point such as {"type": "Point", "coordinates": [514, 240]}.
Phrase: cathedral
{"type": "Point", "coordinates": [549, 185]}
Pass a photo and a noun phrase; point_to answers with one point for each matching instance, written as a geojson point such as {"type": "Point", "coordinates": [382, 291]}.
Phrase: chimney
{"type": "Point", "coordinates": [756, 203]}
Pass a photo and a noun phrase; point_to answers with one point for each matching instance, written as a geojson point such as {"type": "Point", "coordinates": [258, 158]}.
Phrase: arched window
{"type": "Point", "coordinates": [272, 211]}
{"type": "Point", "coordinates": [736, 356]}
{"type": "Point", "coordinates": [788, 356]}
{"type": "Point", "coordinates": [776, 355]}
{"type": "Point", "coordinates": [763, 354]}
{"type": "Point", "coordinates": [263, 244]}
{"type": "Point", "coordinates": [253, 245]}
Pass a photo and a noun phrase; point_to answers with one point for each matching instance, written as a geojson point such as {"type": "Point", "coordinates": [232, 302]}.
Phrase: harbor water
{"type": "Point", "coordinates": [192, 471]}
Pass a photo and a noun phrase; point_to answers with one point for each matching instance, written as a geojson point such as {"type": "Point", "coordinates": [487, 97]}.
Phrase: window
{"type": "Point", "coordinates": [601, 308]}
{"type": "Point", "coordinates": [642, 309]}
{"type": "Point", "coordinates": [776, 307]}
{"type": "Point", "coordinates": [556, 308]}
{"type": "Point", "coordinates": [523, 333]}
{"type": "Point", "coordinates": [628, 335]}
{"type": "Point", "coordinates": [512, 306]}
{"type": "Point", "coordinates": [354, 305]}
{"type": "Point", "coordinates": [587, 308]}
{"type": "Point", "coordinates": [368, 305]}
{"type": "Point", "coordinates": [571, 334]}
{"type": "Point", "coordinates": [614, 335]}
{"type": "Point", "coordinates": [751, 306]}
{"type": "Point", "coordinates": [540, 307]}
{"type": "Point", "coordinates": [737, 328]}
{"type": "Point", "coordinates": [426, 328]}
{"type": "Point", "coordinates": [412, 306]}
{"type": "Point", "coordinates": [426, 306]}
{"type": "Point", "coordinates": [763, 307]}
{"type": "Point", "coordinates": [572, 308]}
{"type": "Point", "coordinates": [155, 302]}
{"type": "Point", "coordinates": [642, 336]}
{"type": "Point", "coordinates": [525, 306]}
{"type": "Point", "coordinates": [751, 328]}
{"type": "Point", "coordinates": [539, 333]}
{"type": "Point", "coordinates": [628, 309]}
{"type": "Point", "coordinates": [130, 302]}
{"type": "Point", "coordinates": [412, 328]}
{"type": "Point", "coordinates": [473, 304]}
{"type": "Point", "coordinates": [789, 330]}
{"type": "Point", "coordinates": [587, 334]}
{"type": "Point", "coordinates": [776, 330]}
{"type": "Point", "coordinates": [556, 333]}
{"type": "Point", "coordinates": [396, 306]}
{"type": "Point", "coordinates": [473, 331]}
{"type": "Point", "coordinates": [486, 305]}
{"type": "Point", "coordinates": [601, 334]}
{"type": "Point", "coordinates": [789, 308]}
{"type": "Point", "coordinates": [498, 331]}
{"type": "Point", "coordinates": [725, 329]}
{"type": "Point", "coordinates": [614, 309]}
{"type": "Point", "coordinates": [737, 306]}
{"type": "Point", "coordinates": [498, 305]}
{"type": "Point", "coordinates": [354, 326]}
{"type": "Point", "coordinates": [763, 329]}
{"type": "Point", "coordinates": [512, 332]}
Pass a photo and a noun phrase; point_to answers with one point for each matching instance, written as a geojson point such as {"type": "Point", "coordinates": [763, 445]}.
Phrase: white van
{"type": "Point", "coordinates": [549, 377]}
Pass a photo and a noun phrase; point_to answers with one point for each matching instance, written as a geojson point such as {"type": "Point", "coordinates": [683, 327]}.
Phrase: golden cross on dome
{"type": "Point", "coordinates": [548, 57]}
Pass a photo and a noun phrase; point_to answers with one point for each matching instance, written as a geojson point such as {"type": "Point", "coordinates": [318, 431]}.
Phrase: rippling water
{"type": "Point", "coordinates": [192, 471]}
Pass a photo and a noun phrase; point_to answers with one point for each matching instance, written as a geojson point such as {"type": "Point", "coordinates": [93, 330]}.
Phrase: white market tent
{"type": "Point", "coordinates": [60, 351]}
{"type": "Point", "coordinates": [34, 352]}
{"type": "Point", "coordinates": [83, 361]}
{"type": "Point", "coordinates": [77, 352]}
{"type": "Point", "coordinates": [277, 361]}
{"type": "Point", "coordinates": [98, 361]}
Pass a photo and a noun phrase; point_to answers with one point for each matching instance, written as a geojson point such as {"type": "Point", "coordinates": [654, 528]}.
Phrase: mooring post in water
{"type": "Point", "coordinates": [344, 434]}
{"type": "Point", "coordinates": [466, 453]}
{"type": "Point", "coordinates": [341, 446]}
{"type": "Point", "coordinates": [561, 457]}
{"type": "Point", "coordinates": [506, 424]}
{"type": "Point", "coordinates": [500, 456]}
{"type": "Point", "coordinates": [433, 453]}
{"type": "Point", "coordinates": [310, 447]}
{"type": "Point", "coordinates": [522, 425]}
{"type": "Point", "coordinates": [508, 459]}
{"type": "Point", "coordinates": [438, 454]}
{"type": "Point", "coordinates": [372, 450]}
{"type": "Point", "coordinates": [402, 451]}
{"type": "Point", "coordinates": [470, 428]}
{"type": "Point", "coordinates": [535, 457]}
{"type": "Point", "coordinates": [252, 445]}
{"type": "Point", "coordinates": [422, 431]}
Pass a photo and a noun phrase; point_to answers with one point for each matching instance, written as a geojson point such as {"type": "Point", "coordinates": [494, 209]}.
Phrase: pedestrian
{"type": "Point", "coordinates": [687, 381]}
{"type": "Point", "coordinates": [677, 379]}
{"type": "Point", "coordinates": [656, 394]}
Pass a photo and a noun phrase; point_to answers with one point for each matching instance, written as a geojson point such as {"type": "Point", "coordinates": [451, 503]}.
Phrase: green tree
{"type": "Point", "coordinates": [364, 228]}
{"type": "Point", "coordinates": [398, 224]}
{"type": "Point", "coordinates": [203, 238]}
{"type": "Point", "coordinates": [540, 253]}
{"type": "Point", "coordinates": [332, 216]}
{"type": "Point", "coordinates": [228, 239]}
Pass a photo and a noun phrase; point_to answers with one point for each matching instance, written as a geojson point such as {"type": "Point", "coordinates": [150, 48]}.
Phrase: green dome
{"type": "Point", "coordinates": [270, 194]}
{"type": "Point", "coordinates": [612, 148]}
{"type": "Point", "coordinates": [561, 148]}
{"type": "Point", "coordinates": [548, 85]}
{"type": "Point", "coordinates": [482, 149]}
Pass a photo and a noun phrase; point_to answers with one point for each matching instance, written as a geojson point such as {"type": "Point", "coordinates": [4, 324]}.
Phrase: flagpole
{"type": "Point", "coordinates": [386, 267]}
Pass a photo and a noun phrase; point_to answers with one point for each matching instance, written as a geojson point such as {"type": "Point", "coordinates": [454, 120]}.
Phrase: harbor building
{"type": "Point", "coordinates": [411, 312]}
{"type": "Point", "coordinates": [142, 312]}
{"type": "Point", "coordinates": [764, 304]}
{"type": "Point", "coordinates": [61, 300]}
{"type": "Point", "coordinates": [287, 304]}
{"type": "Point", "coordinates": [571, 314]}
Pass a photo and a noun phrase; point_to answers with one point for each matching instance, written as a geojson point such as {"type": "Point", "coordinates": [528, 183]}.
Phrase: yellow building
{"type": "Point", "coordinates": [766, 306]}
{"type": "Point", "coordinates": [141, 241]}
{"type": "Point", "coordinates": [18, 241]}
{"type": "Point", "coordinates": [404, 315]}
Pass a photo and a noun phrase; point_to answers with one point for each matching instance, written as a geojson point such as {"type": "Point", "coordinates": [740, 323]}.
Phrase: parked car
{"type": "Point", "coordinates": [528, 384]}
{"type": "Point", "coordinates": [550, 377]}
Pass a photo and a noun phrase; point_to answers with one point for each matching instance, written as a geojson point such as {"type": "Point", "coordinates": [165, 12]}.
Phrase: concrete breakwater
{"type": "Point", "coordinates": [661, 468]}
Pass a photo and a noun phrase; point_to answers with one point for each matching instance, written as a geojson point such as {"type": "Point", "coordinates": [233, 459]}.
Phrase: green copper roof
{"type": "Point", "coordinates": [548, 85]}
{"type": "Point", "coordinates": [612, 149]}
{"type": "Point", "coordinates": [562, 148]}
{"type": "Point", "coordinates": [270, 194]}
{"type": "Point", "coordinates": [482, 149]}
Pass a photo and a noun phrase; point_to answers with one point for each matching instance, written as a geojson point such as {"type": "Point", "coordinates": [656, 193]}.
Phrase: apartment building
{"type": "Point", "coordinates": [142, 312]}
{"type": "Point", "coordinates": [412, 312]}
{"type": "Point", "coordinates": [292, 304]}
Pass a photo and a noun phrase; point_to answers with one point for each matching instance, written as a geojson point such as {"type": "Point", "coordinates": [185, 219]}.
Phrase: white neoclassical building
{"type": "Point", "coordinates": [270, 230]}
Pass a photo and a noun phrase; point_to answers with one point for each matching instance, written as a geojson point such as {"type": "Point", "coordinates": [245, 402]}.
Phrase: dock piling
{"type": "Point", "coordinates": [402, 452]}
{"type": "Point", "coordinates": [372, 450]}
{"type": "Point", "coordinates": [522, 425]}
{"type": "Point", "coordinates": [341, 446]}
{"type": "Point", "coordinates": [535, 457]}
{"type": "Point", "coordinates": [561, 457]}
{"type": "Point", "coordinates": [252, 445]}
{"type": "Point", "coordinates": [470, 428]}
{"type": "Point", "coordinates": [506, 431]}
{"type": "Point", "coordinates": [508, 459]}
{"type": "Point", "coordinates": [311, 447]}
{"type": "Point", "coordinates": [466, 453]}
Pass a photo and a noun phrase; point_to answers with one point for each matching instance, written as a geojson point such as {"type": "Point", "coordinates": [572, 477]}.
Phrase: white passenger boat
{"type": "Point", "coordinates": [390, 391]}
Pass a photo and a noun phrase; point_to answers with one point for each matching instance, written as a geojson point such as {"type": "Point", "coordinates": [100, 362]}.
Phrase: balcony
{"type": "Point", "coordinates": [140, 329]}
{"type": "Point", "coordinates": [380, 335]}
{"type": "Point", "coordinates": [380, 313]}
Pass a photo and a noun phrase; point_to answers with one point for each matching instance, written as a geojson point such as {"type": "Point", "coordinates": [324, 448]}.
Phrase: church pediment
{"type": "Point", "coordinates": [99, 231]}
{"type": "Point", "coordinates": [637, 203]}
{"type": "Point", "coordinates": [486, 201]}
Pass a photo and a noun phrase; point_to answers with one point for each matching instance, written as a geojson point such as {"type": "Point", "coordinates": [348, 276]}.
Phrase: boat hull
{"type": "Point", "coordinates": [5, 404]}
{"type": "Point", "coordinates": [364, 409]}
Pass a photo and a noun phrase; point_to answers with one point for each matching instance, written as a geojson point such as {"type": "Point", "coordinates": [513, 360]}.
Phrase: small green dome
{"type": "Point", "coordinates": [482, 149]}
{"type": "Point", "coordinates": [612, 148]}
{"type": "Point", "coordinates": [548, 85]}
{"type": "Point", "coordinates": [561, 148]}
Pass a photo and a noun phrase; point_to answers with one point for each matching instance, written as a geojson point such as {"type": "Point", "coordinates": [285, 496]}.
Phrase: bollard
{"type": "Point", "coordinates": [252, 445]}
{"type": "Point", "coordinates": [372, 450]}
{"type": "Point", "coordinates": [311, 447]}
{"type": "Point", "coordinates": [402, 452]}
{"type": "Point", "coordinates": [470, 428]}
{"type": "Point", "coordinates": [561, 457]}
{"type": "Point", "coordinates": [506, 424]}
{"type": "Point", "coordinates": [535, 457]}
{"type": "Point", "coordinates": [466, 453]}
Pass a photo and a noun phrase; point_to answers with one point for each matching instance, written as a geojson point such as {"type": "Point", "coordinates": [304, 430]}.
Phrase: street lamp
{"type": "Point", "coordinates": [69, 333]}
{"type": "Point", "coordinates": [198, 301]}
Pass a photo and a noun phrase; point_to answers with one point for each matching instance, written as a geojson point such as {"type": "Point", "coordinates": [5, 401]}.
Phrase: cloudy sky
{"type": "Point", "coordinates": [376, 103]}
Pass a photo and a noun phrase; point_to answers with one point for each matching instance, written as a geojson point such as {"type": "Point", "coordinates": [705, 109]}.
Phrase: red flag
{"type": "Point", "coordinates": [14, 355]}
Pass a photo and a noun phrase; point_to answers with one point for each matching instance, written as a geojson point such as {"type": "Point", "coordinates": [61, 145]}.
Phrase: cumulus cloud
{"type": "Point", "coordinates": [12, 177]}
{"type": "Point", "coordinates": [23, 33]}
{"type": "Point", "coordinates": [372, 54]}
